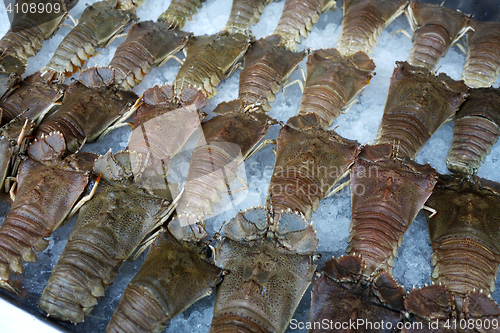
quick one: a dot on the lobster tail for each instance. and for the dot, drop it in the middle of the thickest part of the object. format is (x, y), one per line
(206, 179)
(13, 44)
(267, 277)
(34, 214)
(436, 29)
(228, 139)
(151, 299)
(418, 103)
(176, 14)
(463, 264)
(473, 138)
(332, 81)
(98, 25)
(158, 114)
(105, 235)
(482, 64)
(208, 60)
(78, 281)
(87, 111)
(477, 127)
(148, 44)
(386, 194)
(138, 311)
(309, 161)
(244, 14)
(267, 67)
(364, 21)
(464, 234)
(298, 18)
(30, 28)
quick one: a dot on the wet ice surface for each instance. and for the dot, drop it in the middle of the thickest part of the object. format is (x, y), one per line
(332, 218)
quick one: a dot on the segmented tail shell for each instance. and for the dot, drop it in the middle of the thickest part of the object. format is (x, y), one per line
(417, 104)
(148, 44)
(477, 128)
(309, 161)
(140, 310)
(15, 45)
(482, 64)
(364, 21)
(89, 107)
(211, 168)
(341, 293)
(244, 14)
(29, 29)
(98, 26)
(435, 29)
(162, 128)
(228, 139)
(163, 125)
(298, 18)
(267, 67)
(208, 60)
(233, 323)
(332, 81)
(465, 234)
(109, 228)
(462, 264)
(152, 299)
(176, 14)
(386, 195)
